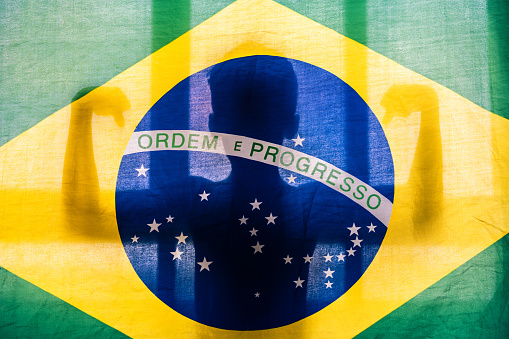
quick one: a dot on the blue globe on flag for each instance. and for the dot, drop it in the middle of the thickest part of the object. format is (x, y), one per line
(255, 193)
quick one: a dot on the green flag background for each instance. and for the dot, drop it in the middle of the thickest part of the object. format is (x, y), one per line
(51, 50)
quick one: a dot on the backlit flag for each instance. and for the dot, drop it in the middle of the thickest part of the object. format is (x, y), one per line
(256, 169)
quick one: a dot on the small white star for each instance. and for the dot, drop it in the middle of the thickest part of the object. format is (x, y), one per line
(371, 228)
(307, 258)
(169, 219)
(243, 220)
(256, 204)
(154, 226)
(328, 257)
(298, 141)
(298, 282)
(257, 247)
(351, 251)
(177, 254)
(328, 273)
(135, 238)
(257, 295)
(328, 284)
(142, 170)
(181, 238)
(253, 232)
(204, 264)
(353, 229)
(204, 196)
(341, 257)
(291, 179)
(287, 260)
(356, 242)
(270, 219)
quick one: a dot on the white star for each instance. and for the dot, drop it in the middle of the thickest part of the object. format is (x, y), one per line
(371, 228)
(298, 141)
(351, 251)
(257, 295)
(298, 282)
(270, 219)
(307, 258)
(257, 247)
(181, 238)
(327, 257)
(256, 204)
(253, 232)
(154, 226)
(142, 170)
(341, 257)
(205, 264)
(328, 273)
(328, 284)
(135, 238)
(356, 242)
(204, 196)
(243, 220)
(291, 179)
(169, 219)
(353, 229)
(177, 254)
(287, 260)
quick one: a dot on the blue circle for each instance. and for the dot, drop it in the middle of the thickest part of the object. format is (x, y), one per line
(241, 245)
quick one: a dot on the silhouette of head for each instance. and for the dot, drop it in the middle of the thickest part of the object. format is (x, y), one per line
(254, 96)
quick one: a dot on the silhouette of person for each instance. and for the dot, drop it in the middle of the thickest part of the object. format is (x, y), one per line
(255, 97)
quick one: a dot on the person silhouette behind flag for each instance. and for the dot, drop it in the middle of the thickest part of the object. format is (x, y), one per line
(254, 97)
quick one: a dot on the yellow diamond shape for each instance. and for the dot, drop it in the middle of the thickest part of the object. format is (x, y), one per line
(449, 156)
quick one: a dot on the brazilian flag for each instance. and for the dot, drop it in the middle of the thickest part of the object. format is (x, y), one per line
(254, 168)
